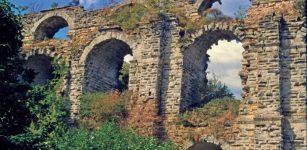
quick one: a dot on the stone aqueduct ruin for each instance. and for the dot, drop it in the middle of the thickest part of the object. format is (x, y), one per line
(273, 109)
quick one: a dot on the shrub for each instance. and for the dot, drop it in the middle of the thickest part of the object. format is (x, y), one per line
(110, 137)
(97, 108)
(216, 116)
(49, 112)
(215, 89)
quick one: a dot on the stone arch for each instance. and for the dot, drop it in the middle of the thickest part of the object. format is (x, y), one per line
(48, 51)
(130, 40)
(102, 59)
(42, 66)
(195, 58)
(50, 23)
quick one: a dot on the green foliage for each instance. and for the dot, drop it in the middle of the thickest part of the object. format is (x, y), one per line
(215, 89)
(213, 15)
(218, 106)
(88, 100)
(240, 14)
(123, 77)
(101, 107)
(48, 112)
(14, 115)
(108, 137)
(215, 108)
(153, 3)
(130, 16)
(300, 5)
(221, 105)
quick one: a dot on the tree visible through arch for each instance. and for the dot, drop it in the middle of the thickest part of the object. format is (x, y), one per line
(196, 61)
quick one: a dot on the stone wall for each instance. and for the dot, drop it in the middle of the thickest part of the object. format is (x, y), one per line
(165, 67)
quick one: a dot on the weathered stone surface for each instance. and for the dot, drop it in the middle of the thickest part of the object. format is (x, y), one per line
(165, 73)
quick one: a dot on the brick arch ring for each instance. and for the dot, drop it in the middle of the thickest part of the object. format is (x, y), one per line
(40, 51)
(234, 27)
(63, 15)
(129, 40)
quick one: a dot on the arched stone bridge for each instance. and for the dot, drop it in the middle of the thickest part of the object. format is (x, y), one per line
(273, 109)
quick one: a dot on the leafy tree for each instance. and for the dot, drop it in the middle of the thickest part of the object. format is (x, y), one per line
(240, 14)
(214, 14)
(14, 115)
(215, 89)
(48, 112)
(124, 77)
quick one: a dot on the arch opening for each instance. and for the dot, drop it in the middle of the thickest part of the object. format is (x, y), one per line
(214, 54)
(42, 67)
(105, 69)
(225, 65)
(53, 27)
(205, 146)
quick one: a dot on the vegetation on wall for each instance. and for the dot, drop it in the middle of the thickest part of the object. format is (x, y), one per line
(240, 14)
(98, 108)
(129, 17)
(300, 5)
(216, 117)
(36, 117)
(102, 126)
